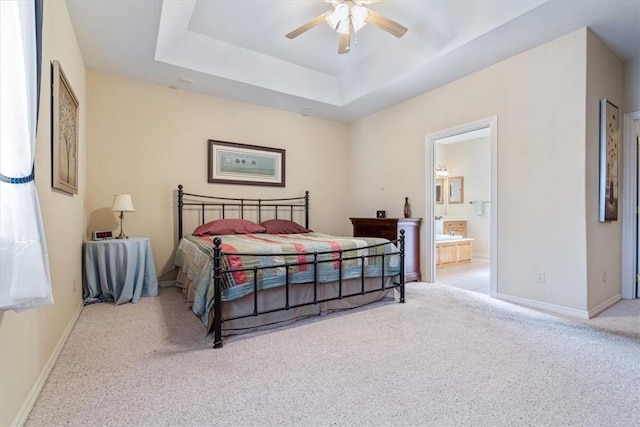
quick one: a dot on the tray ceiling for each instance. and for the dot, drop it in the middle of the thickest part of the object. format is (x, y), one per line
(237, 49)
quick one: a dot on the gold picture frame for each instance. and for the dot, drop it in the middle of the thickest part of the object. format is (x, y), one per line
(64, 135)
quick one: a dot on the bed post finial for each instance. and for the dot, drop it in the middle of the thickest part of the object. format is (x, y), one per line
(217, 296)
(306, 209)
(180, 205)
(401, 240)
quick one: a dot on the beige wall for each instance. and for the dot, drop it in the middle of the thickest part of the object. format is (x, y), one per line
(29, 339)
(539, 99)
(145, 139)
(604, 252)
(631, 94)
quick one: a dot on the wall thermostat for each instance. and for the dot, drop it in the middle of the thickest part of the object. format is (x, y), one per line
(102, 235)
(381, 214)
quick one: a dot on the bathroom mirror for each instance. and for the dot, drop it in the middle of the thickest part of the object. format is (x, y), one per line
(438, 192)
(456, 189)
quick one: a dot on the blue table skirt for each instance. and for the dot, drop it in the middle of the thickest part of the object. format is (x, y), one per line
(119, 270)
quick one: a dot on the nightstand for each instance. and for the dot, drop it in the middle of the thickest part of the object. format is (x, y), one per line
(389, 228)
(119, 270)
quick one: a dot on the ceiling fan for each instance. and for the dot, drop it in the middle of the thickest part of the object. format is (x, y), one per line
(347, 17)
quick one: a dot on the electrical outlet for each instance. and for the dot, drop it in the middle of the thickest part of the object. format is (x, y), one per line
(75, 287)
(604, 276)
(541, 278)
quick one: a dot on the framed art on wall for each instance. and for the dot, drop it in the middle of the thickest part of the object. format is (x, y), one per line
(439, 190)
(455, 193)
(64, 141)
(609, 161)
(233, 163)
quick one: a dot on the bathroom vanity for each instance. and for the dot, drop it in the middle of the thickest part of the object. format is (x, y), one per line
(452, 244)
(454, 226)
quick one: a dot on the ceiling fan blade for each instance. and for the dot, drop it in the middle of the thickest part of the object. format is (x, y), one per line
(306, 27)
(344, 43)
(386, 24)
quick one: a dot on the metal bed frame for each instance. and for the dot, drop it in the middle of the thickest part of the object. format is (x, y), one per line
(261, 207)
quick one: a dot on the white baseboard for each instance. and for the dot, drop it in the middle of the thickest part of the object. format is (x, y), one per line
(27, 406)
(602, 307)
(544, 306)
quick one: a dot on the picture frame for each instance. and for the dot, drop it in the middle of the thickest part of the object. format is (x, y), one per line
(609, 161)
(439, 191)
(64, 135)
(456, 190)
(234, 163)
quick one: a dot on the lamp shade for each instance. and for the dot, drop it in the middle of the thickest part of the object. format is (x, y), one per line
(122, 203)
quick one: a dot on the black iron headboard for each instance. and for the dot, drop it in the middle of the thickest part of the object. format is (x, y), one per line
(261, 208)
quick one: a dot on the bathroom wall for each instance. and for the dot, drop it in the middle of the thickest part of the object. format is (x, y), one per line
(471, 160)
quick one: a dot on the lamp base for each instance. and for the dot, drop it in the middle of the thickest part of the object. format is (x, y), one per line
(122, 235)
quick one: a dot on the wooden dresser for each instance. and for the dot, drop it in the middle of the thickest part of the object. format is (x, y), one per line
(389, 228)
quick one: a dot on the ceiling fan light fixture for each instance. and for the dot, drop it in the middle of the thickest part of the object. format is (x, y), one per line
(343, 27)
(332, 20)
(347, 18)
(339, 19)
(358, 17)
(340, 13)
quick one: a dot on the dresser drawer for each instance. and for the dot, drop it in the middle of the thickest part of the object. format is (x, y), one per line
(372, 231)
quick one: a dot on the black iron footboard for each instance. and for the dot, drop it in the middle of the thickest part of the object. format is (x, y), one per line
(344, 255)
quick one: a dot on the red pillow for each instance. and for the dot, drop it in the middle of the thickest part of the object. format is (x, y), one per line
(283, 226)
(228, 226)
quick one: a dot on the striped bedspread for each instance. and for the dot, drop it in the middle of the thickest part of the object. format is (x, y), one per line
(194, 256)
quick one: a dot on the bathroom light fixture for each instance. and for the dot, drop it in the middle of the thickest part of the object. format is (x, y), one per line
(442, 171)
(122, 203)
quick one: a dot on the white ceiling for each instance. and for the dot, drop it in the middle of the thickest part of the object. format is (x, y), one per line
(236, 49)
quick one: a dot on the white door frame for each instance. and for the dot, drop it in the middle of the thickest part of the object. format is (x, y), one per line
(629, 205)
(430, 207)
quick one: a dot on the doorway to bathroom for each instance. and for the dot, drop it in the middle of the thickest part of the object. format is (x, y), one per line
(461, 203)
(630, 203)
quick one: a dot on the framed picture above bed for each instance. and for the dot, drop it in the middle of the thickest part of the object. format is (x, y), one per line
(609, 158)
(234, 163)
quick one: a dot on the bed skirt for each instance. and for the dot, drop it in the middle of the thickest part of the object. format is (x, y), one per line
(271, 299)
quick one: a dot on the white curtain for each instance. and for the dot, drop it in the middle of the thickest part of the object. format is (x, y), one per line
(24, 264)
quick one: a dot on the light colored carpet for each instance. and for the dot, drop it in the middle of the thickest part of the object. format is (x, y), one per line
(446, 358)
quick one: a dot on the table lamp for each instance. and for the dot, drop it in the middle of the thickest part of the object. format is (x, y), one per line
(122, 203)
